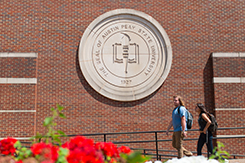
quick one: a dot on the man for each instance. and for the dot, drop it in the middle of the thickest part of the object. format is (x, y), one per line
(179, 123)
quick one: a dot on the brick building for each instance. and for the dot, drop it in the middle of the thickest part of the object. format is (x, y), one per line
(39, 68)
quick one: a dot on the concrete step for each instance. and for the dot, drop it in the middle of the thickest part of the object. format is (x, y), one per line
(237, 161)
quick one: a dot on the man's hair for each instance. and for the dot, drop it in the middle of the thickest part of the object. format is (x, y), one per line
(180, 100)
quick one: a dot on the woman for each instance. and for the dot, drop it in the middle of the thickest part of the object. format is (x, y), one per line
(204, 122)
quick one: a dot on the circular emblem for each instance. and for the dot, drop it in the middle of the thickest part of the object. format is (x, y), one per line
(125, 55)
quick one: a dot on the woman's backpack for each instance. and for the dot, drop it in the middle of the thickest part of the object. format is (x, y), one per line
(214, 125)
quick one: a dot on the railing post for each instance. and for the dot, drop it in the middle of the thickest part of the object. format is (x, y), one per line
(104, 137)
(156, 144)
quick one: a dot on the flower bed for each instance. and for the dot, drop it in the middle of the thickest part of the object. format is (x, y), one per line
(78, 150)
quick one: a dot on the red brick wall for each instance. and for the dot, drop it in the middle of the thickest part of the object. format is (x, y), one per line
(17, 124)
(53, 29)
(229, 66)
(18, 67)
(229, 95)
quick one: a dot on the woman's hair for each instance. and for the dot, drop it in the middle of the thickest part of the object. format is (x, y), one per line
(180, 100)
(202, 108)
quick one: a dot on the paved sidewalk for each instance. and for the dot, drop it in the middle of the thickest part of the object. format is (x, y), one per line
(237, 161)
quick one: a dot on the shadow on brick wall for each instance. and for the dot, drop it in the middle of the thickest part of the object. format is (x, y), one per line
(208, 85)
(209, 88)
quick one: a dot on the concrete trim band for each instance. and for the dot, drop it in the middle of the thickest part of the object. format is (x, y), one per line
(18, 80)
(229, 80)
(231, 109)
(35, 55)
(228, 54)
(17, 111)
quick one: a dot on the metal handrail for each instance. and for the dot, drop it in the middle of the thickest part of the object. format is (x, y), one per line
(142, 132)
(163, 140)
(156, 140)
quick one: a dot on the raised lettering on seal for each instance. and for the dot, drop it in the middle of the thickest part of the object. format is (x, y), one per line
(109, 31)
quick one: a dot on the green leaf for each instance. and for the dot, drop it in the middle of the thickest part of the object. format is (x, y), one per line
(108, 158)
(61, 132)
(17, 144)
(220, 145)
(63, 152)
(123, 155)
(60, 108)
(23, 153)
(226, 153)
(136, 157)
(47, 121)
(61, 115)
(28, 153)
(56, 138)
(55, 113)
(37, 157)
(211, 157)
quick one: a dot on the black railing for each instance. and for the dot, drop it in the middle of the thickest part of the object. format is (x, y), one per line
(156, 141)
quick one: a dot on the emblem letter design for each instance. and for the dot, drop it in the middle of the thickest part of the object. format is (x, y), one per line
(127, 56)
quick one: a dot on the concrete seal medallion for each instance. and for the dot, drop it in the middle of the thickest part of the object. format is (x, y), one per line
(125, 55)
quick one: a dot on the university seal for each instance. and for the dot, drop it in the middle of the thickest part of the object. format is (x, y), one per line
(125, 55)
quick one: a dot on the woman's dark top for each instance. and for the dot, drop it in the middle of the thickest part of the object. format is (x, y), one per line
(202, 123)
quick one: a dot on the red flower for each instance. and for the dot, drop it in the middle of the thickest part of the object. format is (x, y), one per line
(7, 146)
(82, 150)
(20, 161)
(113, 160)
(85, 156)
(47, 151)
(125, 149)
(109, 149)
(54, 152)
(65, 145)
(78, 142)
(37, 148)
